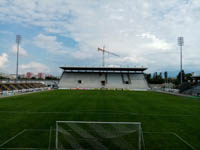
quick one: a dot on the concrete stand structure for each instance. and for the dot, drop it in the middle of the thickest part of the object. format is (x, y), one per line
(103, 78)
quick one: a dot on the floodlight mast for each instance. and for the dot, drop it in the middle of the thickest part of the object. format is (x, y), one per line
(103, 54)
(181, 43)
(18, 41)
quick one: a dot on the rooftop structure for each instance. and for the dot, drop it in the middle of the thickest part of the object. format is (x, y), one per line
(103, 69)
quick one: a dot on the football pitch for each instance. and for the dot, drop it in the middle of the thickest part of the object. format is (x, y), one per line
(168, 122)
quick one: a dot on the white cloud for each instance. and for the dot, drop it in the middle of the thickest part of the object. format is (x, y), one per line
(155, 43)
(3, 60)
(34, 67)
(49, 43)
(22, 51)
(116, 24)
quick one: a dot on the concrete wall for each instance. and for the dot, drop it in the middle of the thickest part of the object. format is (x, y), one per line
(84, 80)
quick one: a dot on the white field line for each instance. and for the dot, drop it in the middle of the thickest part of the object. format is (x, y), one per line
(172, 133)
(23, 148)
(107, 113)
(20, 133)
(50, 132)
(158, 132)
(184, 141)
(13, 137)
(175, 134)
(41, 130)
(162, 115)
(142, 134)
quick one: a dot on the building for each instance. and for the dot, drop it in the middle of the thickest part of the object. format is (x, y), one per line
(103, 78)
(22, 76)
(29, 75)
(11, 76)
(195, 79)
(41, 76)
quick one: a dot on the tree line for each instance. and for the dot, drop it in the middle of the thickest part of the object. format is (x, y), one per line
(160, 78)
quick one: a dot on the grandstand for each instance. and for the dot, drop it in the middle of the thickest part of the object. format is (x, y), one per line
(192, 90)
(103, 78)
(12, 88)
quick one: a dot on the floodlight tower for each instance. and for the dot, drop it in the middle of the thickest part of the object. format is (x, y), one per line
(181, 43)
(103, 54)
(18, 41)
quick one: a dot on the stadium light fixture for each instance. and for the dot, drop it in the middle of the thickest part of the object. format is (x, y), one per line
(18, 41)
(181, 43)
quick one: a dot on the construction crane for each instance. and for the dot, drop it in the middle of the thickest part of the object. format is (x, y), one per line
(103, 53)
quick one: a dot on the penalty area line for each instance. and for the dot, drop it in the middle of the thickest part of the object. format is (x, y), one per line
(184, 141)
(13, 137)
(176, 135)
(18, 134)
(23, 148)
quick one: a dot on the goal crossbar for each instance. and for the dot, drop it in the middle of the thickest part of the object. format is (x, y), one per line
(86, 122)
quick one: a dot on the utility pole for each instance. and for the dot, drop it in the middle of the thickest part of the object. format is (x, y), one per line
(181, 43)
(18, 41)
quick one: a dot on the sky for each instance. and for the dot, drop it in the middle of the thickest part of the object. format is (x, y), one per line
(68, 32)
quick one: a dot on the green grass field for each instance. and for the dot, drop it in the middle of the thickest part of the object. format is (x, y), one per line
(168, 122)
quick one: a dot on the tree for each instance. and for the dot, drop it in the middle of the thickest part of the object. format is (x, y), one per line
(160, 76)
(188, 76)
(179, 77)
(148, 77)
(51, 78)
(155, 79)
(155, 75)
(166, 75)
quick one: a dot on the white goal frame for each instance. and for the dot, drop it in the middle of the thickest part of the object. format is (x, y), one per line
(140, 136)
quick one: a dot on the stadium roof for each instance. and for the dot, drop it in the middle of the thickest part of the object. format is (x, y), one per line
(102, 69)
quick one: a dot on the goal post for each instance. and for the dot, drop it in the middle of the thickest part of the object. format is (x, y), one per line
(98, 135)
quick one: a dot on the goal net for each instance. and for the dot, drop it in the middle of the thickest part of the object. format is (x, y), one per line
(82, 135)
